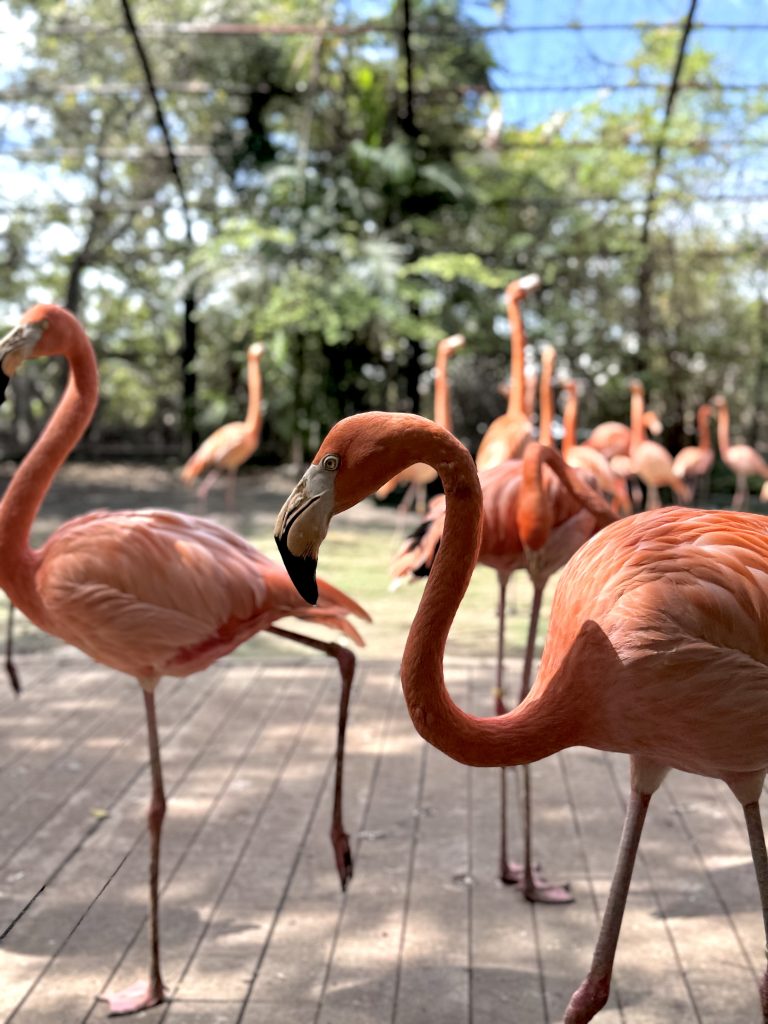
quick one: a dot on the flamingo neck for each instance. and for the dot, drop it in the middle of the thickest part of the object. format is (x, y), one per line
(525, 734)
(545, 403)
(253, 416)
(31, 481)
(442, 409)
(636, 422)
(570, 419)
(516, 399)
(702, 429)
(723, 429)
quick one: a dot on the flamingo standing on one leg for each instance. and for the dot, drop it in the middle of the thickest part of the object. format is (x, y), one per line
(507, 435)
(147, 592)
(742, 459)
(232, 444)
(418, 477)
(650, 461)
(657, 645)
(694, 463)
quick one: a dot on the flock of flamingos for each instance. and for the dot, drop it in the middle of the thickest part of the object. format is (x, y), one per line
(658, 639)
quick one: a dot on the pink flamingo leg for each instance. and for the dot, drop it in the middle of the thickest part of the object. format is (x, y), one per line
(760, 860)
(535, 886)
(144, 994)
(591, 996)
(346, 661)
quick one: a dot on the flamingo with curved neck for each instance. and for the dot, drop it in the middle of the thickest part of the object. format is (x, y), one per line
(231, 445)
(507, 435)
(628, 664)
(536, 513)
(147, 592)
(419, 475)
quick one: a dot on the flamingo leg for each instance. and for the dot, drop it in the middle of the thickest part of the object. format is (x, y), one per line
(741, 493)
(10, 666)
(346, 662)
(760, 861)
(231, 490)
(591, 996)
(207, 484)
(150, 992)
(652, 497)
(509, 872)
(535, 887)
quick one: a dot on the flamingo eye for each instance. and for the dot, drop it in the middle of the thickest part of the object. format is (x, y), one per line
(331, 463)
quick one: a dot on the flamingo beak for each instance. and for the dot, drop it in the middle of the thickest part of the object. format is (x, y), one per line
(301, 528)
(15, 348)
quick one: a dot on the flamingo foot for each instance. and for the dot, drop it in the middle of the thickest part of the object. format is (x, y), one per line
(139, 996)
(588, 999)
(343, 855)
(535, 887)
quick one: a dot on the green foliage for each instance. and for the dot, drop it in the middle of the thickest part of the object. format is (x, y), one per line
(350, 233)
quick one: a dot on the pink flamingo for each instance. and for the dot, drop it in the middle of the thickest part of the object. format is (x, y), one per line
(590, 460)
(508, 434)
(232, 444)
(612, 438)
(147, 592)
(742, 459)
(650, 461)
(694, 462)
(418, 477)
(657, 645)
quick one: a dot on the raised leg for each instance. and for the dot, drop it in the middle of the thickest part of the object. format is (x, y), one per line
(760, 860)
(346, 661)
(150, 992)
(591, 996)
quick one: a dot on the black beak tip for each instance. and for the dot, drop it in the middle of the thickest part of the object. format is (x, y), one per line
(301, 570)
(4, 379)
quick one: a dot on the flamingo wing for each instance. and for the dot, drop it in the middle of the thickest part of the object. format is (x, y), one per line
(152, 592)
(663, 618)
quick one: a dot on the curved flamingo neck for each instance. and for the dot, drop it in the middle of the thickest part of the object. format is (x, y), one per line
(545, 399)
(442, 408)
(570, 420)
(636, 422)
(702, 428)
(253, 416)
(516, 399)
(723, 429)
(31, 481)
(525, 734)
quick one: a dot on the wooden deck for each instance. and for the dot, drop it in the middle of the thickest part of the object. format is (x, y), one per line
(254, 927)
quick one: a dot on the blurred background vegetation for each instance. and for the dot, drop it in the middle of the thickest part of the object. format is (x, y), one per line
(346, 184)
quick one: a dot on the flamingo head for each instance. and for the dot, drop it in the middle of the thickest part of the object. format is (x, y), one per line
(452, 343)
(40, 332)
(359, 454)
(719, 401)
(521, 287)
(256, 350)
